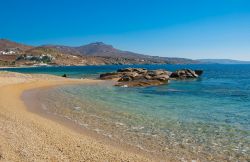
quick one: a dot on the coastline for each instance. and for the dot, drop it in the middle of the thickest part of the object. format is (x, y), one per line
(27, 136)
(34, 105)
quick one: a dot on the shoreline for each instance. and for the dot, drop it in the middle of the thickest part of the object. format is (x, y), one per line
(31, 101)
(27, 136)
(13, 67)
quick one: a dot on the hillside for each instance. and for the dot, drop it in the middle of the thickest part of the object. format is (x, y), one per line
(7, 45)
(97, 49)
(102, 50)
(97, 53)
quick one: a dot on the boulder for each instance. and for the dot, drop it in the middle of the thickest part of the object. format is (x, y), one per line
(64, 75)
(141, 70)
(128, 76)
(131, 77)
(113, 75)
(139, 77)
(155, 72)
(138, 70)
(131, 74)
(125, 78)
(158, 72)
(125, 70)
(184, 74)
(148, 77)
(161, 77)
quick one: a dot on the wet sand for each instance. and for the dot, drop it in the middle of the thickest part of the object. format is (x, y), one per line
(28, 136)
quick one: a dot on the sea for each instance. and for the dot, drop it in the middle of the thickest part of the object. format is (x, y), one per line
(204, 119)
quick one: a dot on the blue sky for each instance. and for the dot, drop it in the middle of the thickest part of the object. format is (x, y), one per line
(174, 28)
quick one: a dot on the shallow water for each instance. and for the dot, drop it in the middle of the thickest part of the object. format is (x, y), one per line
(206, 119)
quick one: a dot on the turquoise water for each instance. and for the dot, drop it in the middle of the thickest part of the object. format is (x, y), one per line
(206, 119)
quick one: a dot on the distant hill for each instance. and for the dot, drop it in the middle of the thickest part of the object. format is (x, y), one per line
(222, 61)
(7, 44)
(97, 53)
(97, 49)
(100, 49)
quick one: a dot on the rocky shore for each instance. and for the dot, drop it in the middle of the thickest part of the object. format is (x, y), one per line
(132, 77)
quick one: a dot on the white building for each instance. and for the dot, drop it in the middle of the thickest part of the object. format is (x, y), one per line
(7, 53)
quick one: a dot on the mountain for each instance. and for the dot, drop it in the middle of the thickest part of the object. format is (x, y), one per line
(100, 49)
(97, 49)
(222, 61)
(98, 53)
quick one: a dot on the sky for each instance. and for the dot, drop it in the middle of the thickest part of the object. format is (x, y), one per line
(193, 29)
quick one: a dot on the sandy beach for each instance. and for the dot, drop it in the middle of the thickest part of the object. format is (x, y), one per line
(27, 136)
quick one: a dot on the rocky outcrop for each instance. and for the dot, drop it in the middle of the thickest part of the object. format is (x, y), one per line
(186, 74)
(131, 77)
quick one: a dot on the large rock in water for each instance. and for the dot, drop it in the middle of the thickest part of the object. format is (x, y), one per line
(131, 77)
(186, 74)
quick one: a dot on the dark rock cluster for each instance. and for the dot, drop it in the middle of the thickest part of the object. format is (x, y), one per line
(186, 74)
(131, 77)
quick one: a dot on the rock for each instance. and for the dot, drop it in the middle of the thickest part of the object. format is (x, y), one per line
(138, 70)
(131, 74)
(185, 74)
(128, 76)
(112, 75)
(125, 70)
(125, 78)
(148, 77)
(162, 77)
(141, 70)
(155, 72)
(198, 72)
(139, 77)
(132, 77)
(64, 75)
(192, 73)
